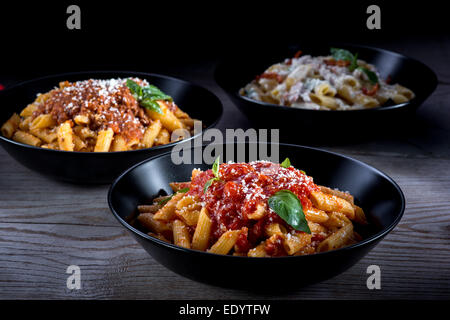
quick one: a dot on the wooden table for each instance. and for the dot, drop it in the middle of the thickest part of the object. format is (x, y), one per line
(46, 226)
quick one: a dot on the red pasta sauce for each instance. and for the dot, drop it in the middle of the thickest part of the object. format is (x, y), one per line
(241, 188)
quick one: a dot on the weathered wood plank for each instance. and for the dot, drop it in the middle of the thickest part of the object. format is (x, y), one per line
(42, 232)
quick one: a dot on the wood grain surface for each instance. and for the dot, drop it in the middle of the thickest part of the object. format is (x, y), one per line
(46, 225)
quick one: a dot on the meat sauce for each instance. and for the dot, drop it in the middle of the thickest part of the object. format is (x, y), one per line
(107, 103)
(241, 189)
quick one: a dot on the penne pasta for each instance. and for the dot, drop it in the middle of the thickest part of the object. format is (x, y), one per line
(295, 242)
(200, 241)
(337, 239)
(235, 217)
(104, 140)
(103, 115)
(42, 121)
(45, 135)
(163, 137)
(10, 126)
(151, 133)
(225, 242)
(331, 203)
(188, 210)
(148, 221)
(181, 235)
(316, 215)
(258, 251)
(167, 212)
(167, 118)
(28, 110)
(65, 138)
(260, 212)
(26, 138)
(119, 143)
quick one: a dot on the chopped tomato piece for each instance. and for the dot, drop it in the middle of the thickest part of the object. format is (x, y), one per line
(389, 79)
(270, 75)
(298, 54)
(372, 91)
(339, 63)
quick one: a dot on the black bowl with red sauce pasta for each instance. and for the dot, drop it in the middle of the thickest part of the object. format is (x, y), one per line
(99, 167)
(234, 72)
(380, 197)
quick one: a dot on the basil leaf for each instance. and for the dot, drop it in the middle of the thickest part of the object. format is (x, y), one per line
(215, 167)
(147, 96)
(154, 93)
(135, 89)
(164, 201)
(370, 74)
(286, 163)
(354, 63)
(151, 105)
(341, 54)
(209, 183)
(287, 205)
(215, 170)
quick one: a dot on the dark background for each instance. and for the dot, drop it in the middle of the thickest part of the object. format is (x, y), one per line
(146, 35)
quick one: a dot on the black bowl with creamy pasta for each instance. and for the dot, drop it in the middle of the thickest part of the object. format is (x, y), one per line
(265, 86)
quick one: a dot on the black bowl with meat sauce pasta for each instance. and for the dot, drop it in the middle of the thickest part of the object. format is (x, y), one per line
(99, 167)
(379, 196)
(303, 125)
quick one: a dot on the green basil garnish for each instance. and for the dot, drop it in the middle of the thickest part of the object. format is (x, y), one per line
(148, 96)
(370, 74)
(209, 183)
(354, 63)
(341, 54)
(164, 201)
(286, 163)
(151, 105)
(287, 205)
(135, 89)
(215, 170)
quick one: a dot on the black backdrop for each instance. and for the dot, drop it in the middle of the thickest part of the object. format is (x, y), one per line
(137, 35)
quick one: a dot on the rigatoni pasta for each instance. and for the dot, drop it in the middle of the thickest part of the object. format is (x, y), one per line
(99, 116)
(257, 209)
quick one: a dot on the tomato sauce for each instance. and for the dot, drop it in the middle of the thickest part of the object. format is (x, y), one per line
(107, 104)
(241, 188)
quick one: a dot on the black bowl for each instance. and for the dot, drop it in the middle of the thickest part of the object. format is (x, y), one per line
(99, 167)
(374, 191)
(234, 72)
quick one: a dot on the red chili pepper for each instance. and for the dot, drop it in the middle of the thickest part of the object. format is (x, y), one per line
(298, 54)
(270, 75)
(339, 63)
(274, 246)
(389, 79)
(372, 91)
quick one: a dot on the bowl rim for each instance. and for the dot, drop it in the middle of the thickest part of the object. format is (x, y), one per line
(372, 239)
(433, 82)
(47, 77)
